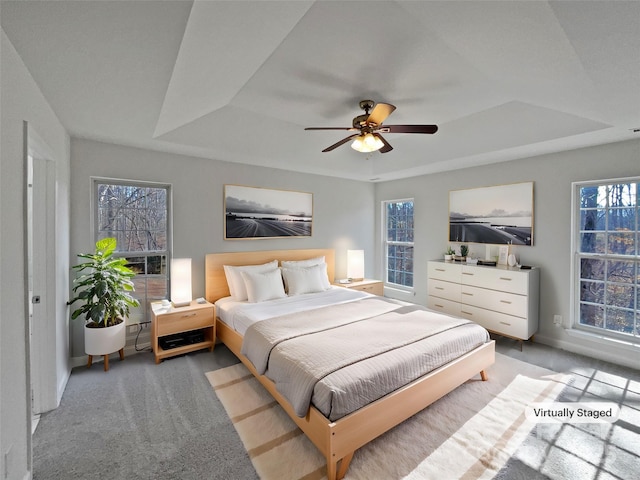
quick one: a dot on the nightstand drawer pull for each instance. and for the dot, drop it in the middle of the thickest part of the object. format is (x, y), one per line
(468, 273)
(187, 315)
(439, 306)
(505, 323)
(439, 288)
(506, 301)
(467, 293)
(440, 270)
(466, 313)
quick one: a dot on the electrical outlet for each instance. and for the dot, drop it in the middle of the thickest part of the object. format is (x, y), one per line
(133, 329)
(557, 320)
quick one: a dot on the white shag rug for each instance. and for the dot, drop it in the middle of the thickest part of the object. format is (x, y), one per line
(468, 434)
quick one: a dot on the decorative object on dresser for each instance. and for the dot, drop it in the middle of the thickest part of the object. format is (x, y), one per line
(448, 255)
(104, 287)
(175, 331)
(504, 300)
(365, 285)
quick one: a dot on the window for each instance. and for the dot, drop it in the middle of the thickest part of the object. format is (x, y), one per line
(136, 214)
(607, 266)
(398, 242)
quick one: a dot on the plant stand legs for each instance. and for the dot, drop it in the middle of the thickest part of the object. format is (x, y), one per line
(106, 359)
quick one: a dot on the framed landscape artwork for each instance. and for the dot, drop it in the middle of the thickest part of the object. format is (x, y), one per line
(497, 215)
(256, 213)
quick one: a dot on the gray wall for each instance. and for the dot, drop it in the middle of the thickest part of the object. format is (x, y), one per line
(552, 176)
(342, 217)
(23, 101)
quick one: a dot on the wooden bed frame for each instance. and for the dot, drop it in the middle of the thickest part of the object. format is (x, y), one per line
(340, 439)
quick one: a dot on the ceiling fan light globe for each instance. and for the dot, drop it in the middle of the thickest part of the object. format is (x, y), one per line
(367, 143)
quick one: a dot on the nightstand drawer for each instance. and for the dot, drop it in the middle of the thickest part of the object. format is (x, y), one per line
(176, 322)
(374, 288)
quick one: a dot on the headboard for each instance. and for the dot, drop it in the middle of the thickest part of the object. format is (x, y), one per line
(216, 281)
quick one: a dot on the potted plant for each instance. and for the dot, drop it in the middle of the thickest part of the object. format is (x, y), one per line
(464, 250)
(104, 288)
(448, 255)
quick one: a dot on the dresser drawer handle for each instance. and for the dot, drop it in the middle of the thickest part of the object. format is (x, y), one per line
(505, 301)
(440, 270)
(505, 323)
(467, 293)
(505, 278)
(438, 305)
(439, 288)
(468, 273)
(466, 313)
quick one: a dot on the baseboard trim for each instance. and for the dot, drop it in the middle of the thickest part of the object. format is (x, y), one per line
(623, 358)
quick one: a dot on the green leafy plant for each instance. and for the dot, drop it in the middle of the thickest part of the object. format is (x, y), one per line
(450, 251)
(464, 250)
(103, 287)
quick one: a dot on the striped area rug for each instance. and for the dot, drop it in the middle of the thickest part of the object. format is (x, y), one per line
(468, 434)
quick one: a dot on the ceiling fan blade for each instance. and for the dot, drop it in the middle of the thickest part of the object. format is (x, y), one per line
(380, 113)
(386, 148)
(341, 142)
(409, 129)
(332, 128)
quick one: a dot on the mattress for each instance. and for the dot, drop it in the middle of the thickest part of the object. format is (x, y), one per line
(358, 381)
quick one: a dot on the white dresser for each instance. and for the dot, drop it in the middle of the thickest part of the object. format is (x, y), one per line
(502, 299)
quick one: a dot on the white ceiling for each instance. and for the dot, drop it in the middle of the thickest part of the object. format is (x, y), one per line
(238, 81)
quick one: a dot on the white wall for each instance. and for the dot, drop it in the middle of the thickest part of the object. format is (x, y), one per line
(343, 210)
(553, 175)
(22, 101)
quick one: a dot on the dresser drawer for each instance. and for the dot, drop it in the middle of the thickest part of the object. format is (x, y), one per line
(508, 325)
(449, 272)
(443, 305)
(509, 303)
(448, 290)
(176, 322)
(513, 281)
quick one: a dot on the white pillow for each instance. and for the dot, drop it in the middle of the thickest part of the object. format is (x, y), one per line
(310, 262)
(263, 286)
(235, 281)
(306, 279)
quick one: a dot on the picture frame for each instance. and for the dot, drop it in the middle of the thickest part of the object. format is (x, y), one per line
(260, 213)
(501, 214)
(503, 254)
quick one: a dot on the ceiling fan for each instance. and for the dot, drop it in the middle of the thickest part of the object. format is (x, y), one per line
(369, 127)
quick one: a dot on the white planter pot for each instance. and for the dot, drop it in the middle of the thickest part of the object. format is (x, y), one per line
(103, 341)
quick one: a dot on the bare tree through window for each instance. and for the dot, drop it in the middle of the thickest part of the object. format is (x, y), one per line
(136, 215)
(609, 271)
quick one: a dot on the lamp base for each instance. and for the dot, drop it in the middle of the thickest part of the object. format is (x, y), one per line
(181, 304)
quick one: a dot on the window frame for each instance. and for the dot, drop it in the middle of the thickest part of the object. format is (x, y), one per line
(577, 256)
(386, 243)
(140, 314)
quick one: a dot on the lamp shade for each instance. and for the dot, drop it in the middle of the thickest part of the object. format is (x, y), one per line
(355, 264)
(181, 281)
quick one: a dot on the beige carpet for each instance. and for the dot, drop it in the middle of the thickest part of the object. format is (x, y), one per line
(468, 434)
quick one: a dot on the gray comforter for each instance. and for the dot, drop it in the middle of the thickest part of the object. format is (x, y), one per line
(301, 351)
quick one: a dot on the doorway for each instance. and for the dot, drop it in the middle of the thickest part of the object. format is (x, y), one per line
(41, 331)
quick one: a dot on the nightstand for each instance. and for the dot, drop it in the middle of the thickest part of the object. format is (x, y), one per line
(182, 329)
(375, 287)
